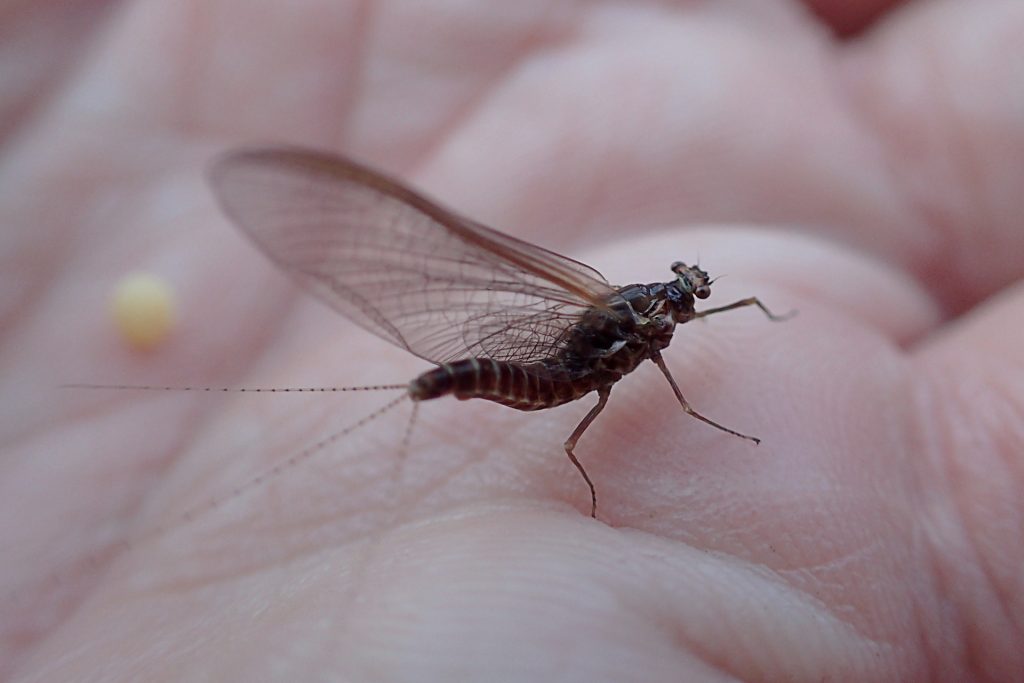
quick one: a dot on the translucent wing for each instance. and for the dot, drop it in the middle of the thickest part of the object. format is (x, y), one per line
(399, 265)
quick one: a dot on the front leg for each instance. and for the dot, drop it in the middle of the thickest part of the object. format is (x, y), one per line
(752, 301)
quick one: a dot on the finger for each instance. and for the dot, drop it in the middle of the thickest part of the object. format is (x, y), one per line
(253, 70)
(939, 86)
(970, 448)
(381, 79)
(813, 272)
(987, 339)
(39, 43)
(925, 178)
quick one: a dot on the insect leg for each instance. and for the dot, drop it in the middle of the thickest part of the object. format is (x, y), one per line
(686, 406)
(752, 301)
(570, 443)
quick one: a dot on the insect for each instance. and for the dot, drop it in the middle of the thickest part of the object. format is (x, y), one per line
(502, 319)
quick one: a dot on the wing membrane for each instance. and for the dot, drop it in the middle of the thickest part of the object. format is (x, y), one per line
(434, 283)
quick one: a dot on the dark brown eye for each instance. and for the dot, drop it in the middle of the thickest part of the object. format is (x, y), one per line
(702, 292)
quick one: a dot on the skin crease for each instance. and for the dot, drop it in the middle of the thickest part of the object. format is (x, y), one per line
(871, 182)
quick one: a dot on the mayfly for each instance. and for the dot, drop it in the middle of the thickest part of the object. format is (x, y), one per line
(501, 319)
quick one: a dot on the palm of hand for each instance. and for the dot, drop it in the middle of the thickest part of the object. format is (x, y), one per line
(873, 535)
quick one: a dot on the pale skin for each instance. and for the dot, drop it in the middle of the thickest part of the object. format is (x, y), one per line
(873, 183)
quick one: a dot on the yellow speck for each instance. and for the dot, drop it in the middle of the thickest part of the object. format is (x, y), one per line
(143, 309)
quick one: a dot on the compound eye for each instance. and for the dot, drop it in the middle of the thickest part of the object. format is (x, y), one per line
(702, 292)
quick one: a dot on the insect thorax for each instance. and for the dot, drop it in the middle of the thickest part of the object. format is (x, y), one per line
(637, 323)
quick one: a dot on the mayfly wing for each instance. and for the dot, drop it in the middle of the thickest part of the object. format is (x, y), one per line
(398, 264)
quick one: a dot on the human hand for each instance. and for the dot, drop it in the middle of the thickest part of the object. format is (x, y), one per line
(872, 184)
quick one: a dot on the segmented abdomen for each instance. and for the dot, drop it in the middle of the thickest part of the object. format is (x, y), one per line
(529, 386)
